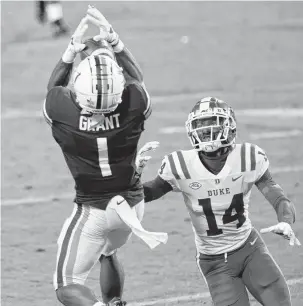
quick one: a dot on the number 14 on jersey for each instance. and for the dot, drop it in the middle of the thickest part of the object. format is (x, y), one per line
(237, 203)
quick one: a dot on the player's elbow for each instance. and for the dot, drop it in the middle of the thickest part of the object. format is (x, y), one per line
(139, 76)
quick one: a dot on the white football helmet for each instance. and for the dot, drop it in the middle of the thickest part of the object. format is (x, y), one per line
(211, 125)
(98, 84)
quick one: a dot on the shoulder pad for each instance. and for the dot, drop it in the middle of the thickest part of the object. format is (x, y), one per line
(139, 98)
(175, 165)
(58, 101)
(260, 154)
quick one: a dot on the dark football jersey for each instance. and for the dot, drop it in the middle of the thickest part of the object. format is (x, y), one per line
(101, 159)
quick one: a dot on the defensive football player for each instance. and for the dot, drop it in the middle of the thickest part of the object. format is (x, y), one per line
(51, 11)
(215, 179)
(97, 125)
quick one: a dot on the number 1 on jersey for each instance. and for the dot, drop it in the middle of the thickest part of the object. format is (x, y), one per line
(103, 156)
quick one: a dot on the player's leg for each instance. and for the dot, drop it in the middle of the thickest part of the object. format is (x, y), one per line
(55, 17)
(40, 11)
(80, 243)
(263, 277)
(111, 277)
(111, 270)
(225, 288)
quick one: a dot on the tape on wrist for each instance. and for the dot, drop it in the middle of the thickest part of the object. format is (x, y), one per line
(68, 56)
(118, 47)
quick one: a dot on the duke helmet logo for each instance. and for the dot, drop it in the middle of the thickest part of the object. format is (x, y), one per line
(195, 185)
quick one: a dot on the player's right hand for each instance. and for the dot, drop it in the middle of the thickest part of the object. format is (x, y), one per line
(142, 159)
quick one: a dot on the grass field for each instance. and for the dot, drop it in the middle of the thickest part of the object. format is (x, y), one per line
(249, 54)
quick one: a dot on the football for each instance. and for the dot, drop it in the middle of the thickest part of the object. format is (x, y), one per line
(92, 45)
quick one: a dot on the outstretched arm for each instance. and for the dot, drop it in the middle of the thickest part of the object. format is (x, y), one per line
(276, 197)
(284, 208)
(62, 72)
(156, 189)
(124, 57)
(60, 75)
(129, 64)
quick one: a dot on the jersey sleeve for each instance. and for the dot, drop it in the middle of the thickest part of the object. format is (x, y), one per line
(140, 99)
(166, 173)
(54, 103)
(262, 163)
(49, 104)
(60, 75)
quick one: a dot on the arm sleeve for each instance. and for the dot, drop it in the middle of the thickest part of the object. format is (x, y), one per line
(55, 104)
(140, 99)
(276, 197)
(129, 64)
(49, 104)
(155, 189)
(60, 75)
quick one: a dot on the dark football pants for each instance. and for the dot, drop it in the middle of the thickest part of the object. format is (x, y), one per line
(252, 267)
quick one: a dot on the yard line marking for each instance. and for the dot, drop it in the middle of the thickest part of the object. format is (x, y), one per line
(275, 135)
(188, 298)
(266, 112)
(36, 200)
(70, 196)
(286, 169)
(172, 130)
(252, 136)
(271, 112)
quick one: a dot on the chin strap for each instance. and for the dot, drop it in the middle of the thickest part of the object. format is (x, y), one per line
(220, 154)
(214, 163)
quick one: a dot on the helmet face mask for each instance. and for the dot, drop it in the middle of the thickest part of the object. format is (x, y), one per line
(98, 84)
(211, 125)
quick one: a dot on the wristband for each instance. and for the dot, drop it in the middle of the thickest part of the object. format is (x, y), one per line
(118, 47)
(69, 55)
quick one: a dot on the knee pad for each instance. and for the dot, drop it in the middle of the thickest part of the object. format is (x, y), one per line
(65, 293)
(74, 294)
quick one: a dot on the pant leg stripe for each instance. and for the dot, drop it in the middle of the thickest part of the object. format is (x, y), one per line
(65, 244)
(199, 267)
(74, 247)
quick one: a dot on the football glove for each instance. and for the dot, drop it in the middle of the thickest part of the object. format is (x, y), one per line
(106, 30)
(283, 229)
(75, 46)
(142, 159)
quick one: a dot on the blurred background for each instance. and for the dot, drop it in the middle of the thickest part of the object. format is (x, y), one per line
(246, 53)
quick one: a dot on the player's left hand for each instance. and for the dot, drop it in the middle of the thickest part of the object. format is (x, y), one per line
(142, 159)
(75, 46)
(284, 229)
(106, 30)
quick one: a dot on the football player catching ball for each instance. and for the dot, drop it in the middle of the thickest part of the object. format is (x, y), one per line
(97, 125)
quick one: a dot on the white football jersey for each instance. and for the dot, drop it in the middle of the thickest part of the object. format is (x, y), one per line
(217, 204)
